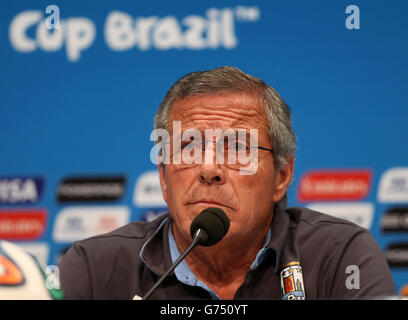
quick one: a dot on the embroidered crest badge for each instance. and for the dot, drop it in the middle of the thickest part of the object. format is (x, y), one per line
(292, 285)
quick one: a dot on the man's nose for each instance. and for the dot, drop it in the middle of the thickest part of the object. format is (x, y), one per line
(210, 171)
(211, 174)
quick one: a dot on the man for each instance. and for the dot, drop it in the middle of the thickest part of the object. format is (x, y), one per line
(269, 252)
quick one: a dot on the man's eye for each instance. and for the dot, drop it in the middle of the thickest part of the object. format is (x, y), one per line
(188, 145)
(237, 146)
(241, 146)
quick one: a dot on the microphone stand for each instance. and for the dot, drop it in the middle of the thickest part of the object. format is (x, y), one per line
(199, 236)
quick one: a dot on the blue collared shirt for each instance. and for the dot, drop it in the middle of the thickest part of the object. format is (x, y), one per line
(185, 275)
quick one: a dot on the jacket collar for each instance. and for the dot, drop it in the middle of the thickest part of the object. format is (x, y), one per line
(283, 238)
(155, 252)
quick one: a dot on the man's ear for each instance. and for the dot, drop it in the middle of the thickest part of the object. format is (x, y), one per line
(161, 168)
(283, 179)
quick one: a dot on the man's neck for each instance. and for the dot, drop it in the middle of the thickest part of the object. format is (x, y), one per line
(223, 267)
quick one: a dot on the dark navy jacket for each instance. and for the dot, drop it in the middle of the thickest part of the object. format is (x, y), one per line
(128, 261)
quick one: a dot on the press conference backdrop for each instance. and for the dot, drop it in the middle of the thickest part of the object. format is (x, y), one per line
(80, 82)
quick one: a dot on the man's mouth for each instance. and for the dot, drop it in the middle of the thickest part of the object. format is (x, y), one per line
(209, 203)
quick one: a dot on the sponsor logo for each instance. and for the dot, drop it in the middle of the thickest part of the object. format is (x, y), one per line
(393, 186)
(212, 30)
(358, 213)
(76, 223)
(395, 219)
(334, 185)
(20, 190)
(292, 285)
(22, 224)
(147, 191)
(397, 254)
(92, 189)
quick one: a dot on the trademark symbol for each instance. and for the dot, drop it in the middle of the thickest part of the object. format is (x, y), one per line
(247, 14)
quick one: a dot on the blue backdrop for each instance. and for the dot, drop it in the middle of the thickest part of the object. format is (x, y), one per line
(77, 101)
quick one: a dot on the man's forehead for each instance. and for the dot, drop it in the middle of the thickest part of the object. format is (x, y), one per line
(224, 109)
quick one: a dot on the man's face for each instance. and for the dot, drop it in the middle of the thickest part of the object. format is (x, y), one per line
(246, 199)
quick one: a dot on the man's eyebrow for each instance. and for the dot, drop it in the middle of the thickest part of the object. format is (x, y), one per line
(236, 130)
(236, 134)
(191, 129)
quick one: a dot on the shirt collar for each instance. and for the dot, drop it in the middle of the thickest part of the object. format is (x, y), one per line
(280, 240)
(156, 252)
(185, 275)
(183, 272)
(263, 253)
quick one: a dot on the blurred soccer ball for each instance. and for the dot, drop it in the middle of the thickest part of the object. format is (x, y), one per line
(21, 276)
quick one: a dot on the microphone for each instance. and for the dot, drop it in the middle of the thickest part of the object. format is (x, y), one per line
(208, 228)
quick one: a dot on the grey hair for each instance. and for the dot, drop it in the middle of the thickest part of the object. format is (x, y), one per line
(230, 79)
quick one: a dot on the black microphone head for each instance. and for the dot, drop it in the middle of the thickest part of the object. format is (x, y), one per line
(214, 222)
